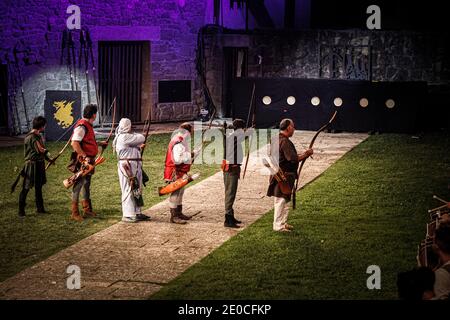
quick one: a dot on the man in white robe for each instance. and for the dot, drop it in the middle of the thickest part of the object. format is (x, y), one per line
(128, 146)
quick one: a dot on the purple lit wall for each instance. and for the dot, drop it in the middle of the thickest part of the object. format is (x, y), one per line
(234, 17)
(170, 26)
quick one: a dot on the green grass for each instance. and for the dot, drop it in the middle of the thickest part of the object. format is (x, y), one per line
(23, 242)
(370, 208)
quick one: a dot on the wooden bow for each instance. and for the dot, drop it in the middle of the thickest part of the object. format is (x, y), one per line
(106, 142)
(251, 110)
(146, 128)
(294, 190)
(203, 133)
(59, 154)
(65, 146)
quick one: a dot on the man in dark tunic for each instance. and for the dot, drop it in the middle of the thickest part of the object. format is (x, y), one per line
(287, 161)
(34, 169)
(231, 168)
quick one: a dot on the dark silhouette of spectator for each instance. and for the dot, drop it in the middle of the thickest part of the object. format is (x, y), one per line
(442, 248)
(416, 284)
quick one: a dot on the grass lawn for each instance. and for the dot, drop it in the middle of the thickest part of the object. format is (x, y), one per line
(23, 242)
(370, 208)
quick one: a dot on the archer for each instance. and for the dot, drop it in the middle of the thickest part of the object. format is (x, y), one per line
(288, 162)
(178, 162)
(33, 171)
(83, 157)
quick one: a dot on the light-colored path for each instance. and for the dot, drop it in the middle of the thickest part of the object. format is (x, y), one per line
(133, 261)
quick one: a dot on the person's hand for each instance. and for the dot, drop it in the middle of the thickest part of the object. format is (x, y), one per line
(103, 144)
(50, 160)
(81, 157)
(309, 152)
(142, 146)
(194, 153)
(88, 161)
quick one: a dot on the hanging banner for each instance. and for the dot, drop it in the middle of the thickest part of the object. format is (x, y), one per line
(61, 109)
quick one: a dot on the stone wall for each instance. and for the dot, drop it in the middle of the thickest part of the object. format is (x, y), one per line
(35, 27)
(395, 55)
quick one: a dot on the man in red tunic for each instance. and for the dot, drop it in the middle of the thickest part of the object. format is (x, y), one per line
(85, 149)
(177, 164)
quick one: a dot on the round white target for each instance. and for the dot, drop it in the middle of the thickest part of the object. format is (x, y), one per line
(364, 102)
(390, 103)
(267, 100)
(337, 102)
(315, 101)
(290, 100)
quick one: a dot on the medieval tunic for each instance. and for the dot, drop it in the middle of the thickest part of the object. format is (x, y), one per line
(127, 147)
(177, 164)
(231, 173)
(34, 169)
(288, 163)
(85, 135)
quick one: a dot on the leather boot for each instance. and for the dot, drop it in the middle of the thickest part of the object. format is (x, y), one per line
(75, 213)
(236, 221)
(21, 209)
(174, 217)
(40, 208)
(180, 213)
(229, 222)
(22, 202)
(230, 213)
(42, 211)
(40, 201)
(87, 208)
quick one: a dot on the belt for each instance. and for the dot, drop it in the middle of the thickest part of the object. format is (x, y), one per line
(32, 161)
(130, 159)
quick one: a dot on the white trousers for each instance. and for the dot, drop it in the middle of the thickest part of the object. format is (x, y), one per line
(280, 213)
(176, 198)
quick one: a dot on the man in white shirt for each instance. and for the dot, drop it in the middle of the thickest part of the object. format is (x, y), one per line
(177, 164)
(85, 149)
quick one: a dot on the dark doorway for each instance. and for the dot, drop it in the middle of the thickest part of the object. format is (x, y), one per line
(174, 91)
(120, 76)
(3, 99)
(235, 66)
